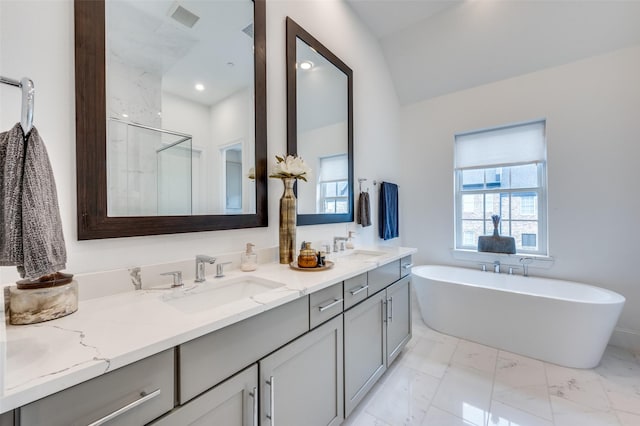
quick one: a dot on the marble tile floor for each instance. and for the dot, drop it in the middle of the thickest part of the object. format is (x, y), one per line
(440, 380)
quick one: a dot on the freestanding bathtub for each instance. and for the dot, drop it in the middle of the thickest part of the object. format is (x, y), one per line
(562, 322)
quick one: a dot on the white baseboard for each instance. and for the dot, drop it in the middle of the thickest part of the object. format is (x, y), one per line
(627, 339)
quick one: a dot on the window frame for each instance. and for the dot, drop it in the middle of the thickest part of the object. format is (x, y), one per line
(322, 194)
(541, 190)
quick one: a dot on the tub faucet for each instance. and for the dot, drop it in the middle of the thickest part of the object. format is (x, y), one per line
(201, 259)
(496, 266)
(526, 261)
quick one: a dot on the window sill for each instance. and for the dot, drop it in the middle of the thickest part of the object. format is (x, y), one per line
(542, 262)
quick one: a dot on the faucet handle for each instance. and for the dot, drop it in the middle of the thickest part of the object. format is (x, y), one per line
(177, 278)
(220, 269)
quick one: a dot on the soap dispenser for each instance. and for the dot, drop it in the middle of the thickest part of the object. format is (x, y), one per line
(249, 259)
(349, 243)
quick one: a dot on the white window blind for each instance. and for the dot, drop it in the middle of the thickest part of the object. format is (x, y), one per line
(523, 143)
(333, 168)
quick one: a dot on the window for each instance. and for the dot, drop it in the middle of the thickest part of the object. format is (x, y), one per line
(502, 171)
(333, 184)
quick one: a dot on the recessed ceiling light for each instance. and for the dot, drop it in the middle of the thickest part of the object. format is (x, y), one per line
(199, 87)
(125, 115)
(306, 65)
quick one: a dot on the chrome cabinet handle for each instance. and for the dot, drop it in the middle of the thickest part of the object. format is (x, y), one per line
(254, 395)
(330, 305)
(384, 310)
(390, 309)
(359, 290)
(144, 398)
(272, 405)
(407, 265)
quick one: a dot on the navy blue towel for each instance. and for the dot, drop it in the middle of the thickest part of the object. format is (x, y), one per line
(388, 211)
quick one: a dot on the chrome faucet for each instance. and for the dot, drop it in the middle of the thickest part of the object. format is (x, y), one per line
(177, 278)
(201, 259)
(335, 243)
(136, 277)
(526, 261)
(496, 266)
(220, 269)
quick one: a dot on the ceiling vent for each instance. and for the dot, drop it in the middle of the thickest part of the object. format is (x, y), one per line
(248, 30)
(184, 16)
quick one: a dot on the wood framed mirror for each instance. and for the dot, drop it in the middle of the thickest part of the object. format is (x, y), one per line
(320, 127)
(227, 189)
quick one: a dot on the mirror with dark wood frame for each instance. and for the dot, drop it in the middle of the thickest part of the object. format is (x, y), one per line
(320, 127)
(238, 198)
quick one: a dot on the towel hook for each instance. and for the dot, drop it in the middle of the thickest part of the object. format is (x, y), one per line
(360, 180)
(28, 97)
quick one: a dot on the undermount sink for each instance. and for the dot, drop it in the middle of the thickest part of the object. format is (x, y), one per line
(359, 255)
(213, 293)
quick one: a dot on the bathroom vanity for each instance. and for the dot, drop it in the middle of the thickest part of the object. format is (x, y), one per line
(304, 351)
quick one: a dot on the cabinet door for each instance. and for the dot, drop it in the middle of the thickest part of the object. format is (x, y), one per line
(302, 383)
(365, 348)
(398, 317)
(231, 403)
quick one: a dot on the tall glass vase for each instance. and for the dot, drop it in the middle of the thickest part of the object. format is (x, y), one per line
(287, 222)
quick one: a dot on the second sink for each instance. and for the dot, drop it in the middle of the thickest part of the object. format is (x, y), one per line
(213, 293)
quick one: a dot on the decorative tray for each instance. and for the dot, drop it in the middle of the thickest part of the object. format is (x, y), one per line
(327, 265)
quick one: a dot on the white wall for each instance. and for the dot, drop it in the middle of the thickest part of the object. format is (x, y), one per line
(312, 146)
(592, 111)
(44, 52)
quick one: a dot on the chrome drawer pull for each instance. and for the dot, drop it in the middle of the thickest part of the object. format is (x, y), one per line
(330, 305)
(144, 398)
(407, 265)
(359, 290)
(272, 404)
(390, 309)
(254, 395)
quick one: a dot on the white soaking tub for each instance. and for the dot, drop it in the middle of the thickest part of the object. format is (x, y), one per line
(562, 322)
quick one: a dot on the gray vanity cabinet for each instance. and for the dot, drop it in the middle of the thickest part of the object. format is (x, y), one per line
(208, 360)
(6, 419)
(398, 317)
(129, 396)
(365, 336)
(302, 382)
(231, 403)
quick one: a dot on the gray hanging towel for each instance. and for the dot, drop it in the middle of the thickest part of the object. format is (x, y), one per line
(388, 211)
(363, 214)
(30, 226)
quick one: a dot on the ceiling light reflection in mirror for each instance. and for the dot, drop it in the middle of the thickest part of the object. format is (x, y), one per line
(180, 89)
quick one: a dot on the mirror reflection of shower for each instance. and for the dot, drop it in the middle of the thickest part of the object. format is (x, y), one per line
(150, 170)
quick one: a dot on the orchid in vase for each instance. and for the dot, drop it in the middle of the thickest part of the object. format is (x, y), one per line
(290, 166)
(288, 169)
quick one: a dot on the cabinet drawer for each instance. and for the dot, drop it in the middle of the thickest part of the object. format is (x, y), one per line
(382, 276)
(233, 402)
(208, 360)
(406, 263)
(325, 304)
(355, 290)
(145, 387)
(6, 419)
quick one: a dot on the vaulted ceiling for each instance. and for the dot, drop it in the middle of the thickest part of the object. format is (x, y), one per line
(435, 47)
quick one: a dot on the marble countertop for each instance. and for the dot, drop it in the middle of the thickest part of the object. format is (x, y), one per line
(112, 331)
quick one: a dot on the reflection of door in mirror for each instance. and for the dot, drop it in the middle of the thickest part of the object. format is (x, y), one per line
(322, 132)
(180, 75)
(232, 178)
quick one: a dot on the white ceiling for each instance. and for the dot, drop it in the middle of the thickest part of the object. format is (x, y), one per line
(439, 47)
(215, 52)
